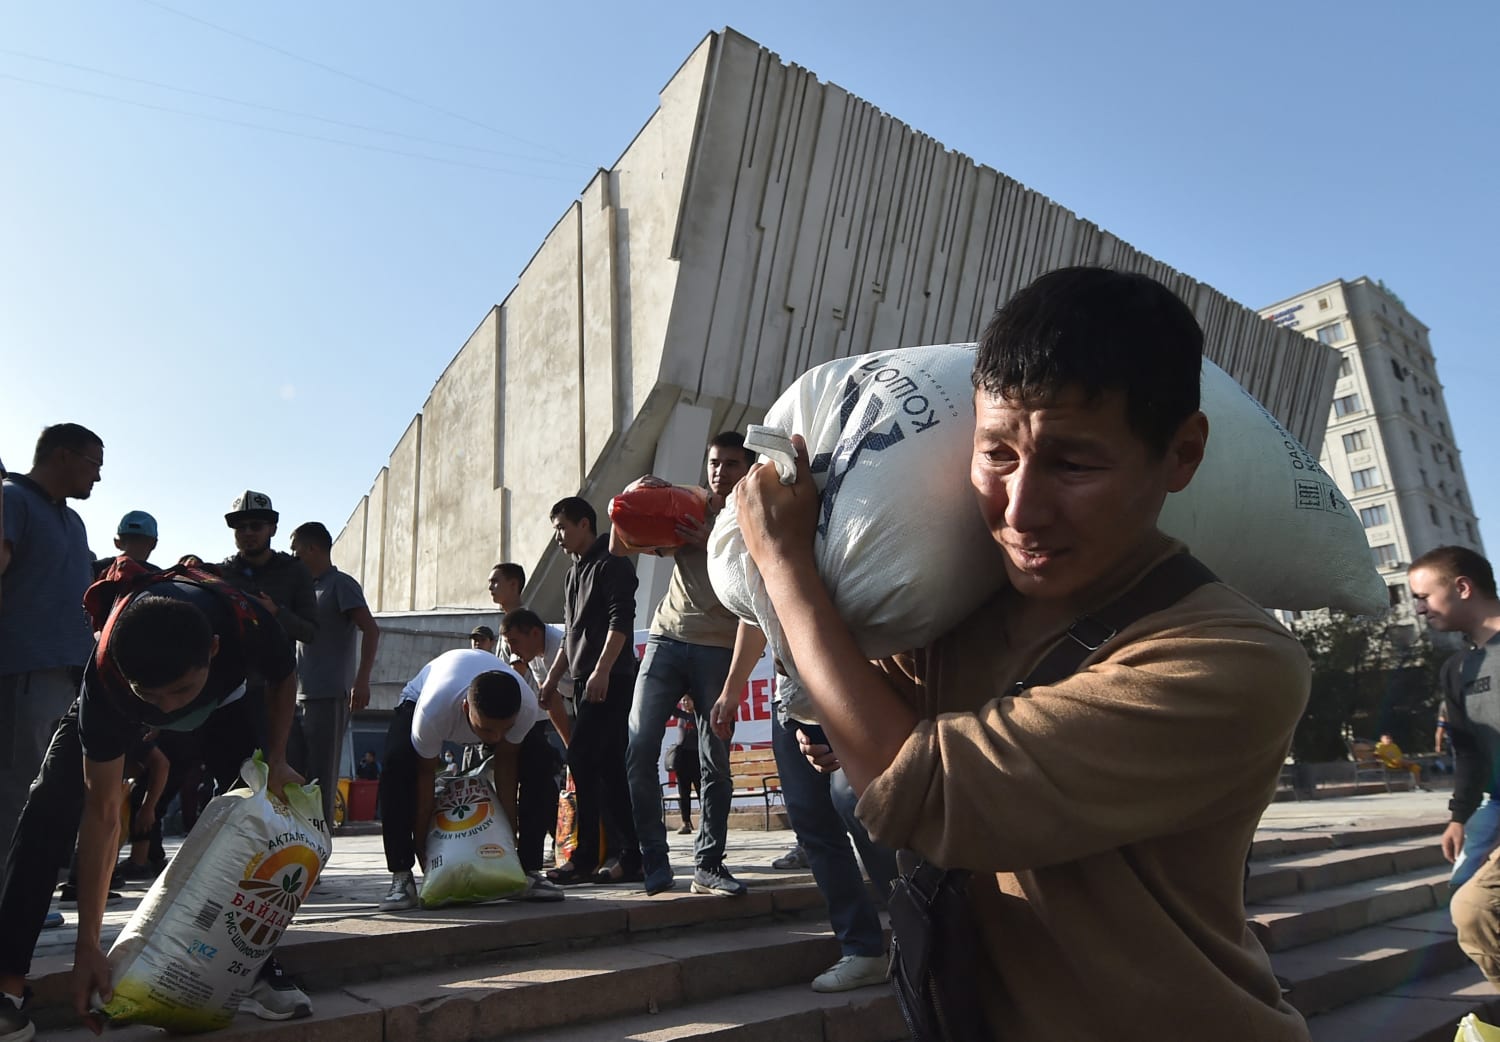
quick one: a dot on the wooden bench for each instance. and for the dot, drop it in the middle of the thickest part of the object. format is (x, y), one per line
(755, 775)
(1369, 766)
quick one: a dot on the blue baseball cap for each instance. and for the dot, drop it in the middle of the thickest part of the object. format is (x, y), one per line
(137, 522)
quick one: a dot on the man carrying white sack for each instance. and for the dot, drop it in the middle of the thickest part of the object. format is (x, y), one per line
(1105, 810)
(471, 698)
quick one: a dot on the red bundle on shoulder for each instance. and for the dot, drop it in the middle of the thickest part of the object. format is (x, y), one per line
(646, 516)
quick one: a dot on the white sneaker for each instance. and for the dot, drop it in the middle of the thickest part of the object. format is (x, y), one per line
(538, 888)
(850, 972)
(402, 895)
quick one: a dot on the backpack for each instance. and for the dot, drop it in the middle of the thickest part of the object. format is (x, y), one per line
(126, 577)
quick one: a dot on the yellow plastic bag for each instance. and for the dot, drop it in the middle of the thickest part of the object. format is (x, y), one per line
(1472, 1029)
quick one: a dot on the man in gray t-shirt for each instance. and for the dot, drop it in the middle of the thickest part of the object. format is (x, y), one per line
(329, 685)
(45, 638)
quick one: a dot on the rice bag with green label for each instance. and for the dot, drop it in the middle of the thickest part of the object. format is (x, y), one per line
(191, 950)
(471, 850)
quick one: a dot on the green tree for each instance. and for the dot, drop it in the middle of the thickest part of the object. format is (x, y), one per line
(1368, 677)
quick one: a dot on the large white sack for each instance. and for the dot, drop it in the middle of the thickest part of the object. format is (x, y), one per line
(1266, 518)
(191, 950)
(892, 432)
(471, 850)
(889, 437)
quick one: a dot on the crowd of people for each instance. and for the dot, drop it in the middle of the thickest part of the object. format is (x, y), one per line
(117, 668)
(1058, 796)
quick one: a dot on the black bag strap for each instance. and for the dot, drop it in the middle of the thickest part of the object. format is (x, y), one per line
(1159, 589)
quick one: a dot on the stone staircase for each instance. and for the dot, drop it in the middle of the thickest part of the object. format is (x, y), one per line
(1355, 919)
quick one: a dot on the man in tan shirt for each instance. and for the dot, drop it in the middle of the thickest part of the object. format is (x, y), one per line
(1107, 816)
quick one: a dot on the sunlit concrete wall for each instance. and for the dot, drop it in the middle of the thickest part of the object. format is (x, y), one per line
(760, 223)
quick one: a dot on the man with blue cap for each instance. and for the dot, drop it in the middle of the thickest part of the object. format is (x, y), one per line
(135, 537)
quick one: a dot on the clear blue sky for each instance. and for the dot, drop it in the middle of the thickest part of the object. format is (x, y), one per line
(234, 307)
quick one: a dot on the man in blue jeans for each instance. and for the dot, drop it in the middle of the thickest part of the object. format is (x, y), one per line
(820, 804)
(688, 653)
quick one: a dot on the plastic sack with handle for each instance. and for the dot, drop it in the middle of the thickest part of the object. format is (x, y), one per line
(1472, 1029)
(191, 950)
(905, 555)
(646, 516)
(471, 850)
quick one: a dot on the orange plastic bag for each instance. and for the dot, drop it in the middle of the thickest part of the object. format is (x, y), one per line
(646, 516)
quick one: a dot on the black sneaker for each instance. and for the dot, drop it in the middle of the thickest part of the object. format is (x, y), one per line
(716, 880)
(15, 1026)
(128, 872)
(275, 996)
(67, 897)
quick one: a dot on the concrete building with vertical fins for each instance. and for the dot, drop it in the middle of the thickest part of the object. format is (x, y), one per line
(1389, 443)
(760, 223)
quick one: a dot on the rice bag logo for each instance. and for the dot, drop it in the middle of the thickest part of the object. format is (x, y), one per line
(271, 893)
(889, 389)
(463, 810)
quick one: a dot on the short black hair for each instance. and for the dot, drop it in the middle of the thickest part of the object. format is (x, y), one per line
(495, 695)
(575, 509)
(314, 532)
(734, 440)
(521, 619)
(1098, 330)
(72, 436)
(1454, 561)
(157, 639)
(512, 571)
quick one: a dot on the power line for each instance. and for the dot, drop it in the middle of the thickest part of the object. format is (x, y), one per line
(351, 76)
(281, 111)
(280, 130)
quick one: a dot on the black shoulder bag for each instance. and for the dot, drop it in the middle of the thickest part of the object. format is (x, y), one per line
(937, 953)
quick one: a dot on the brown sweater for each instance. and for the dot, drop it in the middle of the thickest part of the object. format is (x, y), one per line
(1108, 816)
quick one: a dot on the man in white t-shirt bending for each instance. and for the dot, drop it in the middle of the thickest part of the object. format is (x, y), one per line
(464, 696)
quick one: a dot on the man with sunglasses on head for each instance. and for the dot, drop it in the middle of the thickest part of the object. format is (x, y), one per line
(45, 565)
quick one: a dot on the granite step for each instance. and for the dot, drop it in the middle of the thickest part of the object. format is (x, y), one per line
(1329, 974)
(1287, 922)
(1321, 870)
(1426, 1010)
(697, 978)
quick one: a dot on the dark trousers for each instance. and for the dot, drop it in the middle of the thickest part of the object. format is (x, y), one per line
(48, 829)
(596, 757)
(398, 792)
(536, 806)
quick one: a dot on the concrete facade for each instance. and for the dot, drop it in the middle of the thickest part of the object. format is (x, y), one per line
(1389, 442)
(759, 224)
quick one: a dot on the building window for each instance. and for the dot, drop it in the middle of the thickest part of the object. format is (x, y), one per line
(1458, 494)
(1452, 467)
(1442, 428)
(1416, 446)
(1347, 404)
(1385, 554)
(1369, 477)
(1355, 441)
(1397, 594)
(1437, 453)
(1424, 476)
(1331, 334)
(1454, 522)
(1378, 514)
(1322, 303)
(1405, 406)
(1470, 526)
(1346, 367)
(1398, 370)
(1425, 421)
(1432, 512)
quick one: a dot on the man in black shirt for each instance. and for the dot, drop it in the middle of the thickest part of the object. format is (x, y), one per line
(597, 652)
(174, 656)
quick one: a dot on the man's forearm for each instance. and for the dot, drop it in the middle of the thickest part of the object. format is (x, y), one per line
(749, 646)
(97, 843)
(369, 643)
(426, 776)
(558, 668)
(507, 772)
(867, 722)
(613, 645)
